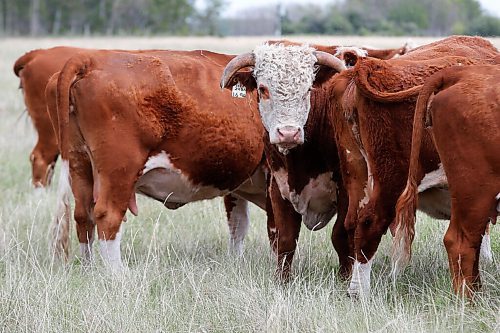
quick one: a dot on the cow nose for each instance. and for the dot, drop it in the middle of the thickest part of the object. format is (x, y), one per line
(289, 134)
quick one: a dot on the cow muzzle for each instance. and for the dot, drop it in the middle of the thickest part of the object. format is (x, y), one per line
(288, 137)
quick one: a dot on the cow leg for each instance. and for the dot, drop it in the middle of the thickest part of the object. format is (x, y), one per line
(115, 192)
(237, 221)
(463, 238)
(283, 228)
(43, 159)
(485, 254)
(82, 186)
(342, 239)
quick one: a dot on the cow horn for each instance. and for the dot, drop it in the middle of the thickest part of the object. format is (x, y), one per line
(329, 60)
(237, 63)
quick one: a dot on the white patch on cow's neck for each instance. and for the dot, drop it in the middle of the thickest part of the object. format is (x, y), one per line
(359, 51)
(110, 252)
(360, 280)
(317, 202)
(162, 181)
(433, 179)
(238, 226)
(288, 72)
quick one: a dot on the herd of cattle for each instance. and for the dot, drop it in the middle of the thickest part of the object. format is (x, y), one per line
(302, 131)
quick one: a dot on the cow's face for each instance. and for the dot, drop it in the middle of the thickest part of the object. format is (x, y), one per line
(284, 76)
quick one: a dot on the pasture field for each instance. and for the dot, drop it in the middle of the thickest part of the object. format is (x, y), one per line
(180, 277)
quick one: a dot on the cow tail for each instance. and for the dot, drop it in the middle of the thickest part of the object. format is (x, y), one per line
(373, 93)
(407, 203)
(71, 72)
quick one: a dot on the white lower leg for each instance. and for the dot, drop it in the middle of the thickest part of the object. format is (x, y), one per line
(238, 226)
(86, 250)
(485, 253)
(360, 281)
(110, 251)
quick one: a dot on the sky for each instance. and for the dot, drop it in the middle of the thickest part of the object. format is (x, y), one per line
(234, 6)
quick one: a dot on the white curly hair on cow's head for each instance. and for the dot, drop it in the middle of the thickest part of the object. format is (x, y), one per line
(284, 75)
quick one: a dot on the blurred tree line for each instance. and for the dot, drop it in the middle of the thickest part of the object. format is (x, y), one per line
(182, 17)
(392, 17)
(55, 17)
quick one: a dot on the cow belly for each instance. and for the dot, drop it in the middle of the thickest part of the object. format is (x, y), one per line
(317, 202)
(162, 181)
(435, 202)
(434, 197)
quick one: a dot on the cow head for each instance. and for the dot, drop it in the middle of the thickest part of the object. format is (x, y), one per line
(284, 76)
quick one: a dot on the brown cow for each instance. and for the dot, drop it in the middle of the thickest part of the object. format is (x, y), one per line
(464, 116)
(368, 96)
(140, 123)
(380, 111)
(34, 70)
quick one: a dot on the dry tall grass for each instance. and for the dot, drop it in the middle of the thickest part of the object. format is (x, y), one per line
(180, 277)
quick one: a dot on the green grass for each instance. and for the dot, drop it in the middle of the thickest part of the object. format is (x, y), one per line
(180, 277)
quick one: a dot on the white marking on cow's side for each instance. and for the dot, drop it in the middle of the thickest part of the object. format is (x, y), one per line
(433, 179)
(161, 180)
(348, 151)
(110, 251)
(317, 202)
(434, 196)
(359, 51)
(238, 226)
(360, 280)
(485, 253)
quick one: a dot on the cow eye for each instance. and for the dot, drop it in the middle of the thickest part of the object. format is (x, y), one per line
(263, 92)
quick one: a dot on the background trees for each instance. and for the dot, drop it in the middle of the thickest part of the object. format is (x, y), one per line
(182, 17)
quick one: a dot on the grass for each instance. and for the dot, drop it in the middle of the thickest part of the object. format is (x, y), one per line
(181, 278)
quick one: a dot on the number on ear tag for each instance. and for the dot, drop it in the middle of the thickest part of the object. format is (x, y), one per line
(239, 90)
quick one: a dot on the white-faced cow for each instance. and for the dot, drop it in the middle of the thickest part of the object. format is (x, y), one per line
(305, 180)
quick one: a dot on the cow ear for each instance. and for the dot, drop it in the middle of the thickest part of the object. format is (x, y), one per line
(243, 77)
(350, 58)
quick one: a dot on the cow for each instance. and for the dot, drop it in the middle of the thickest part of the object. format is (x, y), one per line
(297, 191)
(359, 109)
(464, 121)
(139, 123)
(34, 70)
